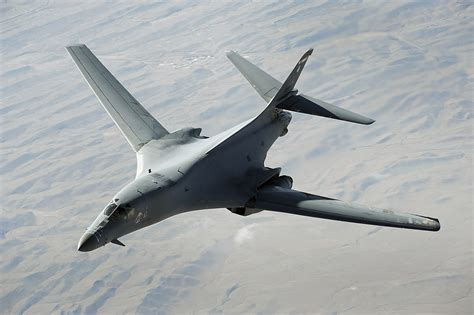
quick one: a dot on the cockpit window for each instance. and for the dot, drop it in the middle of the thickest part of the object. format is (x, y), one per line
(123, 212)
(110, 209)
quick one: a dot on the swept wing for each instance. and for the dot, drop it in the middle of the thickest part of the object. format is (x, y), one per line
(134, 121)
(281, 199)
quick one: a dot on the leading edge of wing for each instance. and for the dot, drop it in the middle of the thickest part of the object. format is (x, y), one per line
(136, 124)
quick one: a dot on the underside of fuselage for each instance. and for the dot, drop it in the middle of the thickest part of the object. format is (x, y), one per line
(229, 174)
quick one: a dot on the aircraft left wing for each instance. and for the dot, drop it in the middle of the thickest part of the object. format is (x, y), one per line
(134, 121)
(280, 199)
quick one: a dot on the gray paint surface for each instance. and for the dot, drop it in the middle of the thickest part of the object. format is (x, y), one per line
(184, 171)
(406, 64)
(134, 121)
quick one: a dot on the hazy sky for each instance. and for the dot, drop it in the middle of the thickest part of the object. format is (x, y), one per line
(409, 65)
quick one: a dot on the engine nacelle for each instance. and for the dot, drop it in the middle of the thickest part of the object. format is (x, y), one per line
(281, 181)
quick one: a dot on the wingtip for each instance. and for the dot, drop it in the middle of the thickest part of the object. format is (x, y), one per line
(230, 53)
(75, 45)
(364, 120)
(307, 54)
(359, 119)
(434, 223)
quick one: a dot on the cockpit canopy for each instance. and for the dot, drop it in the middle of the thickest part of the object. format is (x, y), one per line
(116, 212)
(111, 207)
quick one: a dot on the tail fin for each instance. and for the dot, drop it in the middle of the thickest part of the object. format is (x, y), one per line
(288, 88)
(285, 96)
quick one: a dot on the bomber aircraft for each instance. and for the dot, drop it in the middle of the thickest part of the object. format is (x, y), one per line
(184, 171)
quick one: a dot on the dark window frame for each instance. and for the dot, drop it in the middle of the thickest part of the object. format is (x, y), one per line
(110, 209)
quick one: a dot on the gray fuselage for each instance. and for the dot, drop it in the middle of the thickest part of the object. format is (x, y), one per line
(184, 171)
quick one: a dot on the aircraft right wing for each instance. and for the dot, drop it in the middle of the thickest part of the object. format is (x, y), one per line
(134, 121)
(280, 199)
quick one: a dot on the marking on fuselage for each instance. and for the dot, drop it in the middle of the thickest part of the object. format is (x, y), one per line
(96, 236)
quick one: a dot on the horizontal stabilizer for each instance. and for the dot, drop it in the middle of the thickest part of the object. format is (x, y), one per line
(309, 105)
(280, 199)
(265, 85)
(284, 95)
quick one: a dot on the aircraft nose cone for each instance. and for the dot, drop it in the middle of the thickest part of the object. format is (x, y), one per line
(87, 243)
